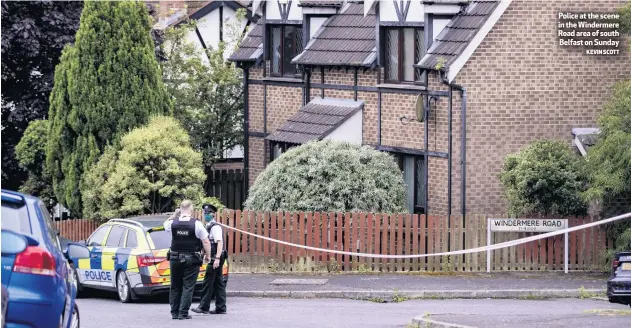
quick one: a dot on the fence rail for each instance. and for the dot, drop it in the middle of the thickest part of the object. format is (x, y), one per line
(387, 234)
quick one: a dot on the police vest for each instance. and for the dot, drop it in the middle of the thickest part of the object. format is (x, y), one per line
(184, 239)
(213, 243)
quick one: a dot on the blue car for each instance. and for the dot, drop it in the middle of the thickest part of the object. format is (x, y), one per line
(35, 272)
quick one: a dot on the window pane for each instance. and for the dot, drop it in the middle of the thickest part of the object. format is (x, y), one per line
(299, 47)
(132, 240)
(275, 51)
(408, 177)
(97, 237)
(161, 239)
(51, 229)
(115, 236)
(420, 52)
(289, 50)
(408, 54)
(420, 182)
(15, 217)
(392, 54)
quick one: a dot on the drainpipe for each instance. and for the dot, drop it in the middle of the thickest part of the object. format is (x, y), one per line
(449, 151)
(378, 108)
(307, 86)
(246, 134)
(463, 145)
(355, 86)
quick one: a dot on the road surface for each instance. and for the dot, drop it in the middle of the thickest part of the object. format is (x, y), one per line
(107, 311)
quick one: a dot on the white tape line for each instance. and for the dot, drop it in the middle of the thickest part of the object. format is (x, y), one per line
(464, 251)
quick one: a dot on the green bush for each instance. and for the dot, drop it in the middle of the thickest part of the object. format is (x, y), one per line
(31, 154)
(330, 176)
(152, 171)
(544, 178)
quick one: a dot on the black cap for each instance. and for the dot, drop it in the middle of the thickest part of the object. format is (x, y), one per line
(209, 208)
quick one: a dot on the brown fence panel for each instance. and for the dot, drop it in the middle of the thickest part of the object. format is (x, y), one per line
(386, 234)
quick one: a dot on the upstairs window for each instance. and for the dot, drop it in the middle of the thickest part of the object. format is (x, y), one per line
(403, 48)
(285, 44)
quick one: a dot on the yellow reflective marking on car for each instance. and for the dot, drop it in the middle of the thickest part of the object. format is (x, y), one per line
(84, 264)
(107, 262)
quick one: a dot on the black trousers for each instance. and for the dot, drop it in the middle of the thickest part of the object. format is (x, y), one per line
(214, 284)
(183, 278)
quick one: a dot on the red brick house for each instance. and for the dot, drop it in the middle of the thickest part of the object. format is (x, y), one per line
(448, 87)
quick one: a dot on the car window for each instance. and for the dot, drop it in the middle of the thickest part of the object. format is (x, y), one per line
(97, 237)
(51, 230)
(115, 236)
(161, 239)
(15, 217)
(132, 239)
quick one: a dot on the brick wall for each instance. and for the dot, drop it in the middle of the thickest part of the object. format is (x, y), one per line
(257, 158)
(522, 86)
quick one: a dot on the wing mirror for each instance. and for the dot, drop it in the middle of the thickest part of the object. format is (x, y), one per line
(76, 251)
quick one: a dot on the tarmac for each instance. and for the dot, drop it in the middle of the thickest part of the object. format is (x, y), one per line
(398, 287)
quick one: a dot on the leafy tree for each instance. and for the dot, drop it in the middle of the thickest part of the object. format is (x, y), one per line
(330, 176)
(33, 35)
(625, 19)
(151, 172)
(106, 84)
(609, 160)
(544, 178)
(31, 153)
(207, 91)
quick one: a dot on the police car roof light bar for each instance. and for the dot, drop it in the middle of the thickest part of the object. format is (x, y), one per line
(128, 221)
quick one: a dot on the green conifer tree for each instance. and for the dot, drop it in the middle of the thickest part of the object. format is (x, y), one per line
(106, 84)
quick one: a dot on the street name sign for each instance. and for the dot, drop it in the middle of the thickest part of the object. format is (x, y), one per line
(527, 225)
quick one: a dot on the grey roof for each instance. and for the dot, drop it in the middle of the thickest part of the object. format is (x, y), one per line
(316, 120)
(320, 3)
(347, 38)
(455, 37)
(429, 2)
(251, 48)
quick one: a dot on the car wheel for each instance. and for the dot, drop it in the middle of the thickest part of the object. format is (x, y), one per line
(123, 287)
(75, 322)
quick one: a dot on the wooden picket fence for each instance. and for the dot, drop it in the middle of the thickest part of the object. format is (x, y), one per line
(400, 234)
(76, 230)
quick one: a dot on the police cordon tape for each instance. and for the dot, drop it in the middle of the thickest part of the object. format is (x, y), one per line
(460, 252)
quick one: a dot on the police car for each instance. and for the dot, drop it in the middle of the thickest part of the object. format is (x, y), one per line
(129, 256)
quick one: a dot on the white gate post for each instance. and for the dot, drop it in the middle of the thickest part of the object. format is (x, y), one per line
(488, 243)
(566, 251)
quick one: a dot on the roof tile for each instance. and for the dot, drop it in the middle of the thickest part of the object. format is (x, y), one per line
(453, 39)
(316, 120)
(248, 48)
(347, 38)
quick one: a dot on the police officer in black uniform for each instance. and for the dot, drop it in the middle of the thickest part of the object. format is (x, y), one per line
(214, 284)
(184, 257)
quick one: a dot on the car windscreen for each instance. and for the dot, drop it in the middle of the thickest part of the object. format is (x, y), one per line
(161, 239)
(15, 217)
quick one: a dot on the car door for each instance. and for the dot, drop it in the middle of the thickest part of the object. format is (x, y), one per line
(89, 270)
(109, 258)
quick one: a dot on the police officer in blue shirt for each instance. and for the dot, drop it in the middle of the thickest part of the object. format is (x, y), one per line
(184, 258)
